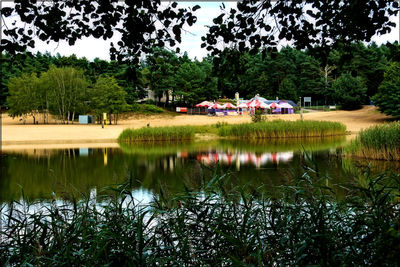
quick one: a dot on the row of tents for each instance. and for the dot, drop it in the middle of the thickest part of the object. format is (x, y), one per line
(254, 103)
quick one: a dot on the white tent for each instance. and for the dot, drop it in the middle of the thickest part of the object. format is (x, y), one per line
(285, 105)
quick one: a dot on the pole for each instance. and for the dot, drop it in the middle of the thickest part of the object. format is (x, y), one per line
(301, 110)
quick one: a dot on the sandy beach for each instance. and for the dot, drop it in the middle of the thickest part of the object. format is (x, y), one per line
(17, 134)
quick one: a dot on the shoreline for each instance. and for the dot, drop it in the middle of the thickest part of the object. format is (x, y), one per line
(16, 134)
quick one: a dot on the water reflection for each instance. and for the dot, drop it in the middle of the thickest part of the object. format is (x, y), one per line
(151, 166)
(238, 159)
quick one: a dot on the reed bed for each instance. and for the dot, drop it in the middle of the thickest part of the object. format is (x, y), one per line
(380, 142)
(157, 134)
(283, 129)
(209, 226)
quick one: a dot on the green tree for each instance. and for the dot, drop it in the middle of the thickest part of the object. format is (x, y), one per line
(24, 98)
(66, 88)
(108, 97)
(349, 91)
(287, 90)
(388, 97)
(192, 83)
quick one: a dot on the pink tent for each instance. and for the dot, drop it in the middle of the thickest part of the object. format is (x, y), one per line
(215, 106)
(257, 104)
(228, 105)
(204, 104)
(274, 105)
(243, 105)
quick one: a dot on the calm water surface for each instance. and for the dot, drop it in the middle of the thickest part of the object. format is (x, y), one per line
(39, 172)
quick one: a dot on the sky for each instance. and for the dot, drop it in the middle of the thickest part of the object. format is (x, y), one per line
(191, 40)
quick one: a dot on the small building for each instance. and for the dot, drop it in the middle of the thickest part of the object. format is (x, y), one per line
(85, 119)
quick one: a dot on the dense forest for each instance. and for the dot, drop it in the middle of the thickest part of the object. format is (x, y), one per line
(350, 77)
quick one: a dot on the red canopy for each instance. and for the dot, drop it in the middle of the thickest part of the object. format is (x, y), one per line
(204, 104)
(215, 106)
(228, 105)
(257, 104)
(274, 105)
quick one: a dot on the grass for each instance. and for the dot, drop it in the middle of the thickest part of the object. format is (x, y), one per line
(272, 129)
(378, 142)
(283, 129)
(210, 226)
(157, 134)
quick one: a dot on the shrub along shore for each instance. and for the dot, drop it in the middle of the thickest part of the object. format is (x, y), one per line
(272, 129)
(378, 142)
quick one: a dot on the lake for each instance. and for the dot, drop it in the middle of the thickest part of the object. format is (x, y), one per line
(259, 164)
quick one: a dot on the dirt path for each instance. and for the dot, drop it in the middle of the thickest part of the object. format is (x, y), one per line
(16, 133)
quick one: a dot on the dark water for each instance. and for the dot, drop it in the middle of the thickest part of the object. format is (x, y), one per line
(168, 165)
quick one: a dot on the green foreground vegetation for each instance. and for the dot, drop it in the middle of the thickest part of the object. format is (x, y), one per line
(300, 224)
(377, 142)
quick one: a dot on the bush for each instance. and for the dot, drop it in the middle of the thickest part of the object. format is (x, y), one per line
(258, 117)
(146, 108)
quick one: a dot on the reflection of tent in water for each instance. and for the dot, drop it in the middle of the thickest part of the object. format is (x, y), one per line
(244, 158)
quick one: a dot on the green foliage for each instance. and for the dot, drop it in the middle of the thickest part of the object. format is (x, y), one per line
(287, 90)
(388, 97)
(24, 95)
(107, 96)
(300, 224)
(189, 81)
(156, 134)
(349, 91)
(283, 129)
(377, 142)
(258, 117)
(65, 89)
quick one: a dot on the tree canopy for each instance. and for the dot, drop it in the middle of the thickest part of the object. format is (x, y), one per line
(321, 24)
(388, 96)
(141, 24)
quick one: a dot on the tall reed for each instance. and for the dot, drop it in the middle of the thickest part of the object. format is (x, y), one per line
(377, 142)
(283, 129)
(157, 134)
(210, 226)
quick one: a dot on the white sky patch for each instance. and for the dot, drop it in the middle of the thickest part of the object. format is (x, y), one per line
(91, 47)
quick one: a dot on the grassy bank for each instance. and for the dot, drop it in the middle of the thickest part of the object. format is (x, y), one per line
(157, 134)
(283, 129)
(378, 142)
(271, 129)
(305, 225)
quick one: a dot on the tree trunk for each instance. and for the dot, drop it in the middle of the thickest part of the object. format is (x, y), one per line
(68, 117)
(73, 117)
(110, 119)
